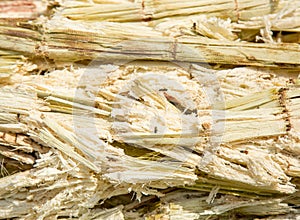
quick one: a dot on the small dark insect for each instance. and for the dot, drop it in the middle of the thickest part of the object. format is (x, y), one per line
(244, 151)
(163, 90)
(194, 25)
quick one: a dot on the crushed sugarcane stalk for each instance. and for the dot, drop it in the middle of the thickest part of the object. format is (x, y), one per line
(119, 109)
(69, 41)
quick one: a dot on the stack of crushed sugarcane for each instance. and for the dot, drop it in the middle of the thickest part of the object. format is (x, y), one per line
(121, 109)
